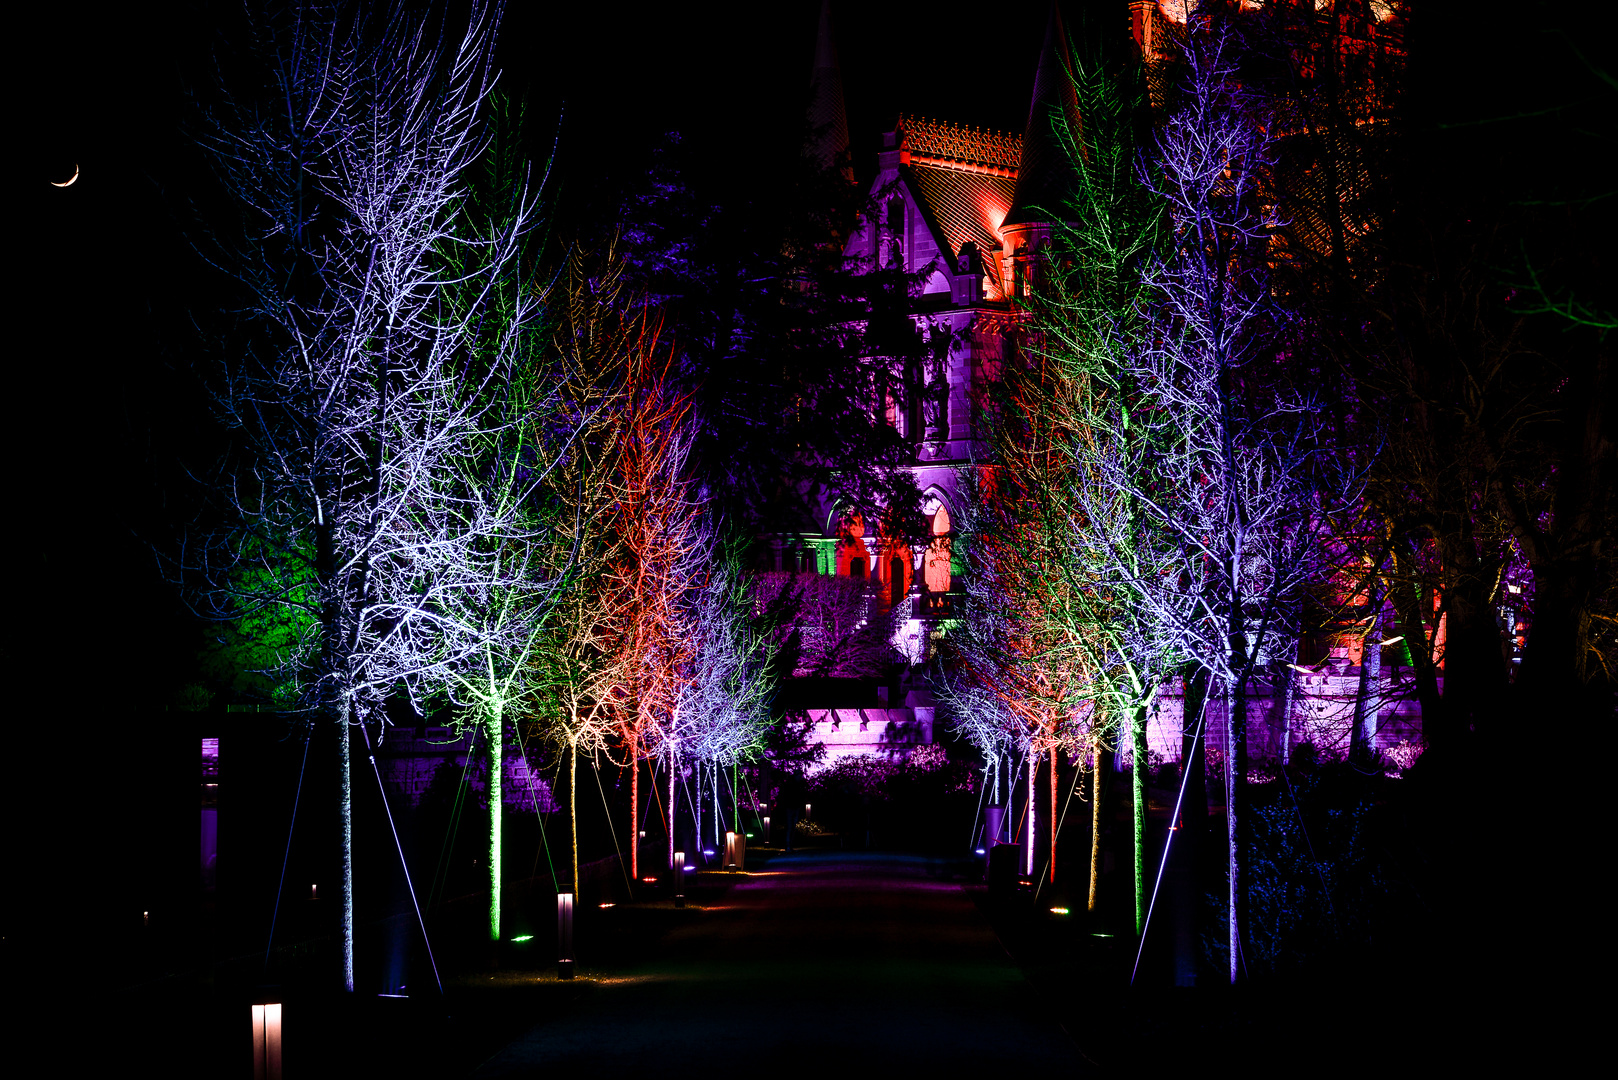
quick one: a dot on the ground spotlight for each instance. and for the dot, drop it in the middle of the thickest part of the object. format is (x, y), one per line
(267, 1041)
(564, 935)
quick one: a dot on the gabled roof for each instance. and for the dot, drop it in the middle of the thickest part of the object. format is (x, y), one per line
(963, 176)
(964, 206)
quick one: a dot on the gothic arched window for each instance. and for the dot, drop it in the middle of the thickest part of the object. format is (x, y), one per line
(896, 580)
(936, 567)
(896, 230)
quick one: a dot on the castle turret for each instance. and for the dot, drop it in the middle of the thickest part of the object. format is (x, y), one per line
(827, 116)
(1043, 174)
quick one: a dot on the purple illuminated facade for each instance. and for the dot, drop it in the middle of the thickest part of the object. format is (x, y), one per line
(962, 211)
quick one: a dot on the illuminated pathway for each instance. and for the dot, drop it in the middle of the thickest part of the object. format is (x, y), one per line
(852, 962)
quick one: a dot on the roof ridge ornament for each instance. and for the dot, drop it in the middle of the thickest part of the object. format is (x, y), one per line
(941, 144)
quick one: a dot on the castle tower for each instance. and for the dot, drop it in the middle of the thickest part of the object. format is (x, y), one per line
(827, 115)
(1043, 175)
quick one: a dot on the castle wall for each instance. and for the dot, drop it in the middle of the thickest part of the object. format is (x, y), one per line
(887, 734)
(1322, 714)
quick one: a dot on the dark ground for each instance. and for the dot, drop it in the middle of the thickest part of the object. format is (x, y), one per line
(819, 961)
(816, 962)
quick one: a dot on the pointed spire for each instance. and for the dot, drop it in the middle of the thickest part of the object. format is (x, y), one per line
(827, 116)
(1042, 173)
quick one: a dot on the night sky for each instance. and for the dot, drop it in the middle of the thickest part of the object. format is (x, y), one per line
(111, 280)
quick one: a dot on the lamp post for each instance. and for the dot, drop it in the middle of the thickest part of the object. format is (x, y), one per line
(564, 935)
(679, 879)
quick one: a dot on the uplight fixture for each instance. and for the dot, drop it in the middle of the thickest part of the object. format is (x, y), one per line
(267, 1041)
(564, 935)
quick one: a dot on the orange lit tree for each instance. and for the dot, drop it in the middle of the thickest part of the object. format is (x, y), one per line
(657, 513)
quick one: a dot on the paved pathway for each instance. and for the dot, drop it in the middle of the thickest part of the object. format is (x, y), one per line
(824, 961)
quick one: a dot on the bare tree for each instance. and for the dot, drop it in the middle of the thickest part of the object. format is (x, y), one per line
(1225, 478)
(356, 394)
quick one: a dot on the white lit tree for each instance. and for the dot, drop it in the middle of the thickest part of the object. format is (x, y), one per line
(358, 388)
(1225, 471)
(721, 713)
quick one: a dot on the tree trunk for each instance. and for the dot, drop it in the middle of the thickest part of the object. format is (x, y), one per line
(1474, 670)
(1099, 765)
(673, 814)
(345, 814)
(1283, 682)
(1052, 829)
(573, 808)
(496, 801)
(1033, 801)
(1138, 789)
(1236, 819)
(634, 813)
(1407, 605)
(1368, 697)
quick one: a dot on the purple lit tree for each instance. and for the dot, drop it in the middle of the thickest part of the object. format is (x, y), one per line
(721, 707)
(1227, 474)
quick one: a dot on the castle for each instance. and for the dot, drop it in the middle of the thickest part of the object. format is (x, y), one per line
(958, 208)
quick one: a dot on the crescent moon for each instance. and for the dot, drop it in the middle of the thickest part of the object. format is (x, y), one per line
(70, 181)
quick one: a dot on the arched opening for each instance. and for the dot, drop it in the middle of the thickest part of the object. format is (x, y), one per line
(935, 570)
(896, 580)
(896, 232)
(850, 556)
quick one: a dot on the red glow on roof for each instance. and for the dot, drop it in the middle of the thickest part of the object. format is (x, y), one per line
(967, 149)
(992, 211)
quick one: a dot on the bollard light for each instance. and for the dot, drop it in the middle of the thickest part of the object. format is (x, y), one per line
(564, 935)
(267, 1042)
(730, 850)
(314, 892)
(806, 809)
(679, 879)
(766, 828)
